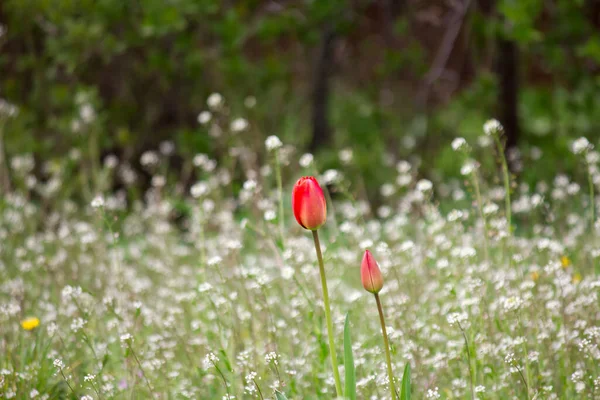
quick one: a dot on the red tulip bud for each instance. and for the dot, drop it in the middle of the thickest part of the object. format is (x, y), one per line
(370, 274)
(308, 203)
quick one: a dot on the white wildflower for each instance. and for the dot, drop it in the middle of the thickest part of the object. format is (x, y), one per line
(492, 127)
(273, 143)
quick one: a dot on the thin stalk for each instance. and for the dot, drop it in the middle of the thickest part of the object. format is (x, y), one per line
(224, 380)
(67, 382)
(258, 388)
(469, 361)
(332, 353)
(388, 357)
(523, 379)
(526, 351)
(142, 370)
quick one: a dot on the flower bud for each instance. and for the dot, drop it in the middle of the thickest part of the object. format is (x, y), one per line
(308, 203)
(370, 274)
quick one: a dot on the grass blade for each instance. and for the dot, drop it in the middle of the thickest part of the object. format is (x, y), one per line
(405, 393)
(350, 381)
(279, 395)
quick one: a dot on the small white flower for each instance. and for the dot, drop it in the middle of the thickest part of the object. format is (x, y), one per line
(249, 185)
(126, 338)
(87, 113)
(204, 287)
(424, 185)
(199, 189)
(433, 393)
(77, 324)
(330, 176)
(204, 117)
(214, 261)
(97, 202)
(491, 127)
(210, 360)
(346, 156)
(214, 101)
(490, 208)
(581, 145)
(238, 125)
(250, 101)
(467, 168)
(273, 143)
(272, 357)
(270, 215)
(58, 363)
(306, 160)
(166, 147)
(459, 143)
(149, 158)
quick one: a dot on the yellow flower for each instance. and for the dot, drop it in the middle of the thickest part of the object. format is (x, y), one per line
(535, 276)
(565, 261)
(30, 323)
(576, 277)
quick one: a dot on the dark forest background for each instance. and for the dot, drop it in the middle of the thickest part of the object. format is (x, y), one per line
(388, 79)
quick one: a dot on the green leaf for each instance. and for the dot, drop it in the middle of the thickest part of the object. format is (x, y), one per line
(350, 389)
(280, 396)
(405, 393)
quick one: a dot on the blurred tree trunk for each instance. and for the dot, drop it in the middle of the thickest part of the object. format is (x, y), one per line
(321, 131)
(508, 79)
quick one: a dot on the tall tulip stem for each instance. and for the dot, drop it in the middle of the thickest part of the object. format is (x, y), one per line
(388, 357)
(330, 336)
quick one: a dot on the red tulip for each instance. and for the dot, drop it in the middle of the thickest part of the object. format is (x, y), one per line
(370, 274)
(308, 203)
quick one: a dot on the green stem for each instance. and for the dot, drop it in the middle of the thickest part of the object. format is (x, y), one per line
(388, 357)
(332, 353)
(137, 360)
(469, 361)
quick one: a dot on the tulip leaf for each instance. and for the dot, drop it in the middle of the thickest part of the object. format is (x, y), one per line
(405, 393)
(280, 396)
(350, 389)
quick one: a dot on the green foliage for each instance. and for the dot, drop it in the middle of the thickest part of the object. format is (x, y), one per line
(279, 395)
(405, 391)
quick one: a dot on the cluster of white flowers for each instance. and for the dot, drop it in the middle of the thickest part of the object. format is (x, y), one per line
(492, 127)
(306, 160)
(459, 143)
(581, 145)
(210, 360)
(273, 143)
(97, 202)
(272, 358)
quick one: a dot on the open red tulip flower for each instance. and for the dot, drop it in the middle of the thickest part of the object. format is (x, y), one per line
(308, 203)
(370, 273)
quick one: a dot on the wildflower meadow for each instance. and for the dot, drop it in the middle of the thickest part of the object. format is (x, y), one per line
(283, 282)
